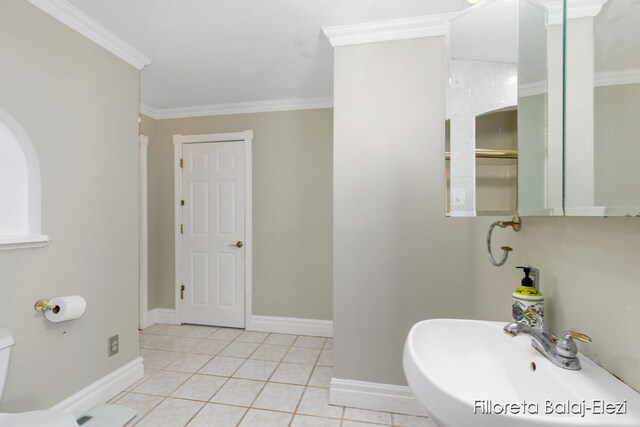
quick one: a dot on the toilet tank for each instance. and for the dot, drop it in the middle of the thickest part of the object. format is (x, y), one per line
(6, 342)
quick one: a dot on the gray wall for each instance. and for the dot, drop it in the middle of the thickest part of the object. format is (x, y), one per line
(79, 105)
(397, 259)
(292, 178)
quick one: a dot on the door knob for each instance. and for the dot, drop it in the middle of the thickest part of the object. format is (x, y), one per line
(238, 244)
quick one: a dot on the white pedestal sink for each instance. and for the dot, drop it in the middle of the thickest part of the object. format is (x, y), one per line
(465, 371)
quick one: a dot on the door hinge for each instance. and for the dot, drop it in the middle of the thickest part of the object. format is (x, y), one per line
(181, 291)
(181, 229)
(181, 202)
(181, 163)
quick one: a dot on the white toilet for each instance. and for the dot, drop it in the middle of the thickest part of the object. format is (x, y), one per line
(26, 419)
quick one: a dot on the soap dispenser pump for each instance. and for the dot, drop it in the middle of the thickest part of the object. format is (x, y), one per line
(525, 297)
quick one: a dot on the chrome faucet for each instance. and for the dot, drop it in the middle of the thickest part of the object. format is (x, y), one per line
(562, 351)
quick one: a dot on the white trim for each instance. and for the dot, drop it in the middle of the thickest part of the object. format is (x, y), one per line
(149, 111)
(532, 89)
(248, 226)
(577, 9)
(102, 390)
(538, 212)
(291, 325)
(144, 236)
(585, 211)
(212, 137)
(619, 77)
(374, 396)
(177, 220)
(247, 138)
(77, 20)
(388, 30)
(10, 243)
(584, 8)
(461, 214)
(161, 315)
(267, 106)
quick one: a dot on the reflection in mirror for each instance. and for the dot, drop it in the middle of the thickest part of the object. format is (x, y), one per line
(499, 160)
(603, 100)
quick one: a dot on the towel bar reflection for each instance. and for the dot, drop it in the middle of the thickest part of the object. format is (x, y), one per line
(515, 223)
(490, 153)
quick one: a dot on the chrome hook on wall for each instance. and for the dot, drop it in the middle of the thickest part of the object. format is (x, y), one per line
(515, 223)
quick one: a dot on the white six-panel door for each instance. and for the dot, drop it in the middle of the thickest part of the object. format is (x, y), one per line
(213, 233)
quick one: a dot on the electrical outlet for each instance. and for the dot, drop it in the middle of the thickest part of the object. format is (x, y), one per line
(114, 345)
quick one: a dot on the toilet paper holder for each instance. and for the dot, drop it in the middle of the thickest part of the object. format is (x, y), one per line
(43, 305)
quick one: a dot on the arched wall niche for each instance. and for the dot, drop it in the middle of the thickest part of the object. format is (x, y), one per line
(20, 188)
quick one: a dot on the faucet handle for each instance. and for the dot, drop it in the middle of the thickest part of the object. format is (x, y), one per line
(576, 335)
(566, 346)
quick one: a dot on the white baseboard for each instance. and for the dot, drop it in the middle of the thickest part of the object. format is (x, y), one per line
(291, 325)
(374, 396)
(161, 315)
(102, 390)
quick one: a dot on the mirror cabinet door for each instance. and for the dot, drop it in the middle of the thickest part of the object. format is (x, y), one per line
(505, 82)
(602, 140)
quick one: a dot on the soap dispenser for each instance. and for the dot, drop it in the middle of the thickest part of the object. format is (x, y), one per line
(525, 297)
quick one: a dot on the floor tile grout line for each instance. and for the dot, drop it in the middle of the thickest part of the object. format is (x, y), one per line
(229, 378)
(204, 404)
(218, 390)
(290, 346)
(150, 411)
(252, 403)
(181, 384)
(304, 391)
(269, 380)
(306, 387)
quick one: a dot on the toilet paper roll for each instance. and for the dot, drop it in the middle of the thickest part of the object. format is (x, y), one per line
(66, 308)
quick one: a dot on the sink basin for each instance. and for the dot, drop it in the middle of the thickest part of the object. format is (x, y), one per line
(464, 371)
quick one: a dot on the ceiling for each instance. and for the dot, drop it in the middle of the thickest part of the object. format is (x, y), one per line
(517, 35)
(212, 52)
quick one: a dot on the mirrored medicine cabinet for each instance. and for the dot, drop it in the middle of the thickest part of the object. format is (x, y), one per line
(542, 108)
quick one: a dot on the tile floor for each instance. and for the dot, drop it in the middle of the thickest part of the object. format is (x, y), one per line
(219, 377)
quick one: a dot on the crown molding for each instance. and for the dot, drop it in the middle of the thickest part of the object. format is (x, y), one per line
(532, 89)
(388, 30)
(614, 78)
(77, 20)
(577, 9)
(148, 111)
(584, 8)
(237, 108)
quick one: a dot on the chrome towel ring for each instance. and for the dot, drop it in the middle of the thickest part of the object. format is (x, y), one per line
(515, 223)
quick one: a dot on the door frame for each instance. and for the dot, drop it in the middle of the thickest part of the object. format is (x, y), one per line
(144, 243)
(246, 137)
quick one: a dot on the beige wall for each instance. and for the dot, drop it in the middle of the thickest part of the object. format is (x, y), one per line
(292, 203)
(616, 145)
(397, 259)
(78, 104)
(589, 278)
